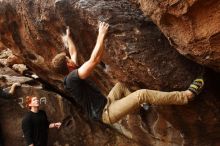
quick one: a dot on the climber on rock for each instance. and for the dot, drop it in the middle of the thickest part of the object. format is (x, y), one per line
(120, 101)
(35, 124)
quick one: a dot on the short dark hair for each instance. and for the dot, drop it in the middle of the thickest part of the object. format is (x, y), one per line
(59, 63)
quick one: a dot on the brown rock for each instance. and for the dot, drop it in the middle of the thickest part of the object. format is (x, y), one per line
(192, 26)
(21, 68)
(136, 53)
(11, 60)
(8, 76)
(7, 58)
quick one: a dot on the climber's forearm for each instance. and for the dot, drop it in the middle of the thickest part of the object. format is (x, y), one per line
(99, 49)
(72, 50)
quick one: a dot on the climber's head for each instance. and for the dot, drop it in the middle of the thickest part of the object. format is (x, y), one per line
(63, 64)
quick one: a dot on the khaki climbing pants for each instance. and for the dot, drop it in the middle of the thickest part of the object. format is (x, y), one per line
(122, 102)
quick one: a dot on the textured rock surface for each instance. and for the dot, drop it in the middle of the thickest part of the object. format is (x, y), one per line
(192, 26)
(136, 53)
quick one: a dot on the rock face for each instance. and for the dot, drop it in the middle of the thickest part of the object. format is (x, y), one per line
(136, 53)
(192, 26)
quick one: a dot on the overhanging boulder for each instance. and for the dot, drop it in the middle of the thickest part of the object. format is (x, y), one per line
(136, 53)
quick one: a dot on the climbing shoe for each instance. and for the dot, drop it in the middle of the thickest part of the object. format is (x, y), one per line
(196, 86)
